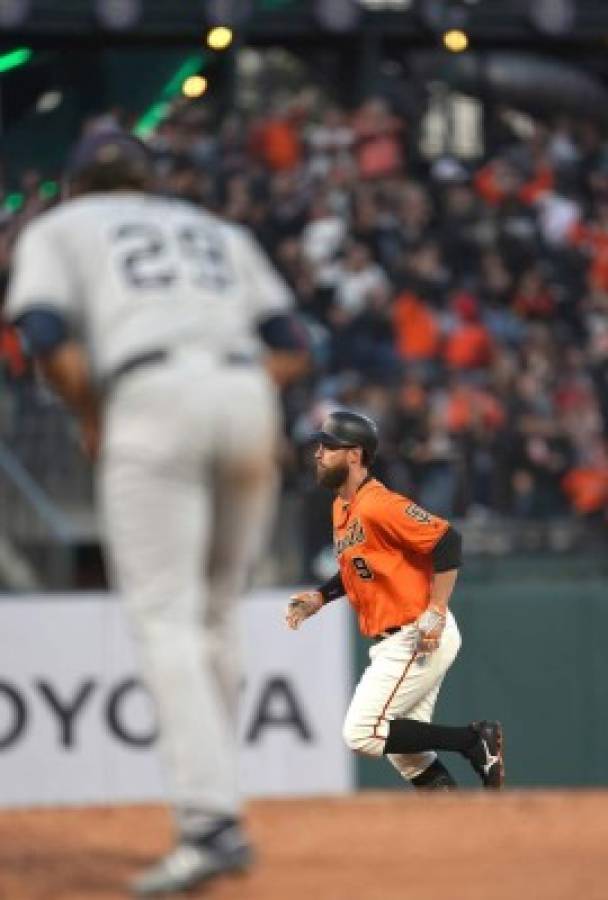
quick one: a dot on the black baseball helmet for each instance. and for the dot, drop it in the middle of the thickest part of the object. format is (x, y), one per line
(109, 159)
(344, 428)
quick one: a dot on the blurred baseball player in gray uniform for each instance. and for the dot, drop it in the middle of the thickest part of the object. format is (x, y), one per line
(160, 325)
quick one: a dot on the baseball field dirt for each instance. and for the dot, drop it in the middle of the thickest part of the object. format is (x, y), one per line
(371, 846)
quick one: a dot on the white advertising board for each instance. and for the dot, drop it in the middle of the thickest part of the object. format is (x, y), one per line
(76, 725)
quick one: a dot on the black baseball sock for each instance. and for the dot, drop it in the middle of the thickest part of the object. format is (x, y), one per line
(411, 736)
(434, 778)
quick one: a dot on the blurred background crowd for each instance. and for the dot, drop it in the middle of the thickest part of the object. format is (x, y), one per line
(460, 300)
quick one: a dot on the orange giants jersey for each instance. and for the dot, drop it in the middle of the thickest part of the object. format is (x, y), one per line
(384, 544)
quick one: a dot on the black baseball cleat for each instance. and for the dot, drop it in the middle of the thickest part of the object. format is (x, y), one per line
(486, 755)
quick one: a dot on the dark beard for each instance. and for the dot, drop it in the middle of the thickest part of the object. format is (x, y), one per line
(332, 478)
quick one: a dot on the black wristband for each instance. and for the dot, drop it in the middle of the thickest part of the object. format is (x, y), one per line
(332, 589)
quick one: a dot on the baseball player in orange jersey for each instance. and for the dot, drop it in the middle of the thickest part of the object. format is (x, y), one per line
(398, 565)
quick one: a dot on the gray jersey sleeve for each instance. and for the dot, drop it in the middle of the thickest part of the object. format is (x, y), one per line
(267, 291)
(41, 276)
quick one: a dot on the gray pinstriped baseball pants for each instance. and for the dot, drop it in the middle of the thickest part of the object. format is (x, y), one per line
(187, 484)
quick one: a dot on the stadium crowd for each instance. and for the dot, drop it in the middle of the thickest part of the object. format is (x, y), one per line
(463, 306)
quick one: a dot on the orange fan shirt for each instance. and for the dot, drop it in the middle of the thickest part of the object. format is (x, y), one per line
(384, 543)
(416, 328)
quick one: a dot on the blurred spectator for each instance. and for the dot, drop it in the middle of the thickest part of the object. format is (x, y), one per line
(417, 329)
(461, 229)
(378, 140)
(533, 297)
(275, 140)
(468, 345)
(422, 270)
(586, 484)
(359, 283)
(322, 238)
(329, 142)
(592, 239)
(12, 356)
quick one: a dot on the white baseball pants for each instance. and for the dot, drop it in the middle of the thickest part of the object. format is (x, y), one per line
(397, 684)
(187, 484)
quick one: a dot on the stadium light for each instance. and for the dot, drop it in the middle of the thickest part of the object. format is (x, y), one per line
(442, 16)
(13, 202)
(158, 110)
(455, 40)
(229, 13)
(220, 37)
(13, 12)
(553, 17)
(49, 101)
(48, 190)
(118, 14)
(194, 86)
(339, 16)
(386, 5)
(190, 66)
(15, 58)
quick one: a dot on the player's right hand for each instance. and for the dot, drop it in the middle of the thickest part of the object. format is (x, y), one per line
(302, 606)
(431, 625)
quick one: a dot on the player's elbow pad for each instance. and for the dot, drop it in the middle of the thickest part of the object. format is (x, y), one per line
(284, 331)
(43, 330)
(448, 551)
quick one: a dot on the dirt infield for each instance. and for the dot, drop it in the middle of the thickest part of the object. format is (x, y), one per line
(380, 846)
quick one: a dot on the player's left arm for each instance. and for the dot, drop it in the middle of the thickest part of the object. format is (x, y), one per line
(447, 559)
(404, 524)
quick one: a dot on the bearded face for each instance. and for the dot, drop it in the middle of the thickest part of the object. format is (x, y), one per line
(332, 468)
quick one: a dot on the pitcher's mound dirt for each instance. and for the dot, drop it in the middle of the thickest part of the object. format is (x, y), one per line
(376, 846)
